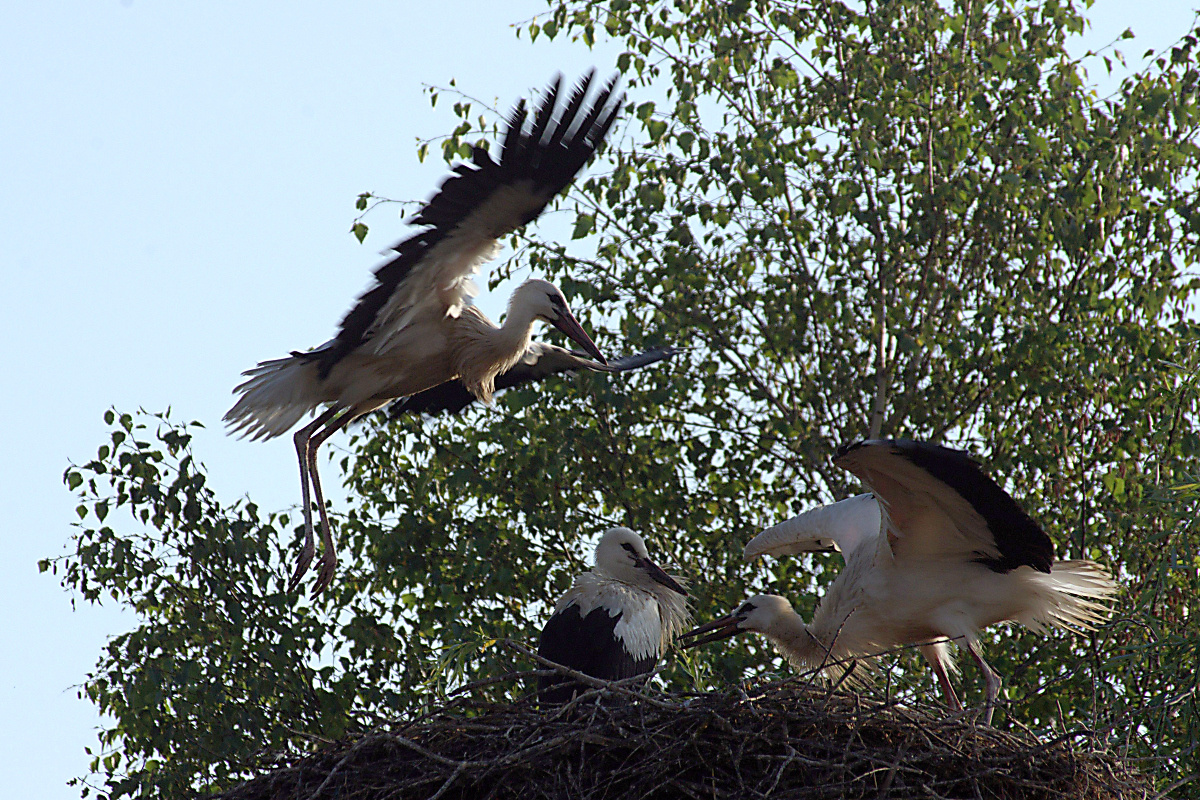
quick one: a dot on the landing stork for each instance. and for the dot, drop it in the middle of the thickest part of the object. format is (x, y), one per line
(936, 553)
(615, 621)
(416, 327)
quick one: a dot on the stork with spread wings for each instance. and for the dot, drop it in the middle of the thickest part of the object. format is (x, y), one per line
(416, 328)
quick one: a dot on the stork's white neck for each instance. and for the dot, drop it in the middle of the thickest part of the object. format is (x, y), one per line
(517, 331)
(484, 350)
(797, 641)
(674, 606)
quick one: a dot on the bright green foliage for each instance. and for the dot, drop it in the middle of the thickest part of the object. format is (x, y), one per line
(911, 221)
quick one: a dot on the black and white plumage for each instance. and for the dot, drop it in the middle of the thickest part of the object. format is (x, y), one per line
(539, 362)
(615, 621)
(936, 553)
(416, 327)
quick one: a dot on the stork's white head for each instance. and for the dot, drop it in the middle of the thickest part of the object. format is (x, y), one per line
(538, 299)
(762, 613)
(622, 554)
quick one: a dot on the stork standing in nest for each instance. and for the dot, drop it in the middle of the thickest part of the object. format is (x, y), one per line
(416, 327)
(615, 621)
(936, 553)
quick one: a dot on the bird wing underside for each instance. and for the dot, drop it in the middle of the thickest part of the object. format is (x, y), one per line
(482, 201)
(539, 362)
(939, 502)
(844, 526)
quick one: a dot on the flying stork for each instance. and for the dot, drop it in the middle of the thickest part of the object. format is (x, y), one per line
(539, 362)
(615, 621)
(936, 552)
(416, 327)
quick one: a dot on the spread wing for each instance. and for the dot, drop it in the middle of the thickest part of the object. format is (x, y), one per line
(939, 502)
(473, 209)
(539, 362)
(844, 526)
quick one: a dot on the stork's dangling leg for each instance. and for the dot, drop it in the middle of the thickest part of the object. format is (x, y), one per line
(302, 449)
(415, 328)
(328, 553)
(992, 679)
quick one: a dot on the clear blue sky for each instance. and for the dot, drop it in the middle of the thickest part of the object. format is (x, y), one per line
(176, 186)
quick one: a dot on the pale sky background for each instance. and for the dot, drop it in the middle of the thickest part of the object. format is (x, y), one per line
(177, 182)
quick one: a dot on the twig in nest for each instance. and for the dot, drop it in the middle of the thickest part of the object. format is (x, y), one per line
(785, 740)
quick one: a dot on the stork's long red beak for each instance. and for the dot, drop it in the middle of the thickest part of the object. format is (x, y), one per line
(723, 628)
(571, 327)
(657, 573)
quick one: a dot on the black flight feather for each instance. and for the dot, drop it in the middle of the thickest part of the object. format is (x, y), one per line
(550, 155)
(1020, 540)
(539, 363)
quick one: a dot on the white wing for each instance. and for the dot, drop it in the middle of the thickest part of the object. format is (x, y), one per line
(844, 526)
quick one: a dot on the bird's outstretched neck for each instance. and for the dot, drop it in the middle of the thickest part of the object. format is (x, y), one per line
(807, 647)
(803, 645)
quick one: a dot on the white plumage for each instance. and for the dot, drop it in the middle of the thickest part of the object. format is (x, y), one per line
(615, 621)
(415, 328)
(937, 553)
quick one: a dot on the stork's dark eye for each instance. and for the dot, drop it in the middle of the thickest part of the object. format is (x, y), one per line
(746, 608)
(627, 547)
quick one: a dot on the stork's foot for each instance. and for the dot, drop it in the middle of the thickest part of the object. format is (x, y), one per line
(306, 556)
(986, 712)
(326, 572)
(992, 684)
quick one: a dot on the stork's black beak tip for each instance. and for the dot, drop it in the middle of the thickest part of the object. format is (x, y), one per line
(723, 628)
(570, 326)
(658, 574)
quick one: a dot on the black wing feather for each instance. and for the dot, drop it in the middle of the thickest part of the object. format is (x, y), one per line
(588, 645)
(452, 397)
(1020, 540)
(534, 141)
(551, 165)
(516, 123)
(571, 111)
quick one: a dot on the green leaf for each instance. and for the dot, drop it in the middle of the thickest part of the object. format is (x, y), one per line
(909, 220)
(584, 225)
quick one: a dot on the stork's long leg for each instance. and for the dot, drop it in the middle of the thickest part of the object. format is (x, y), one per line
(936, 655)
(992, 686)
(328, 552)
(302, 448)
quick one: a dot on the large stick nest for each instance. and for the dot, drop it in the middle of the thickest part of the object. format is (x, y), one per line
(782, 740)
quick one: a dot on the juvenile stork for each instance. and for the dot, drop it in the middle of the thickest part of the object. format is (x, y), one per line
(937, 552)
(539, 362)
(416, 327)
(615, 621)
